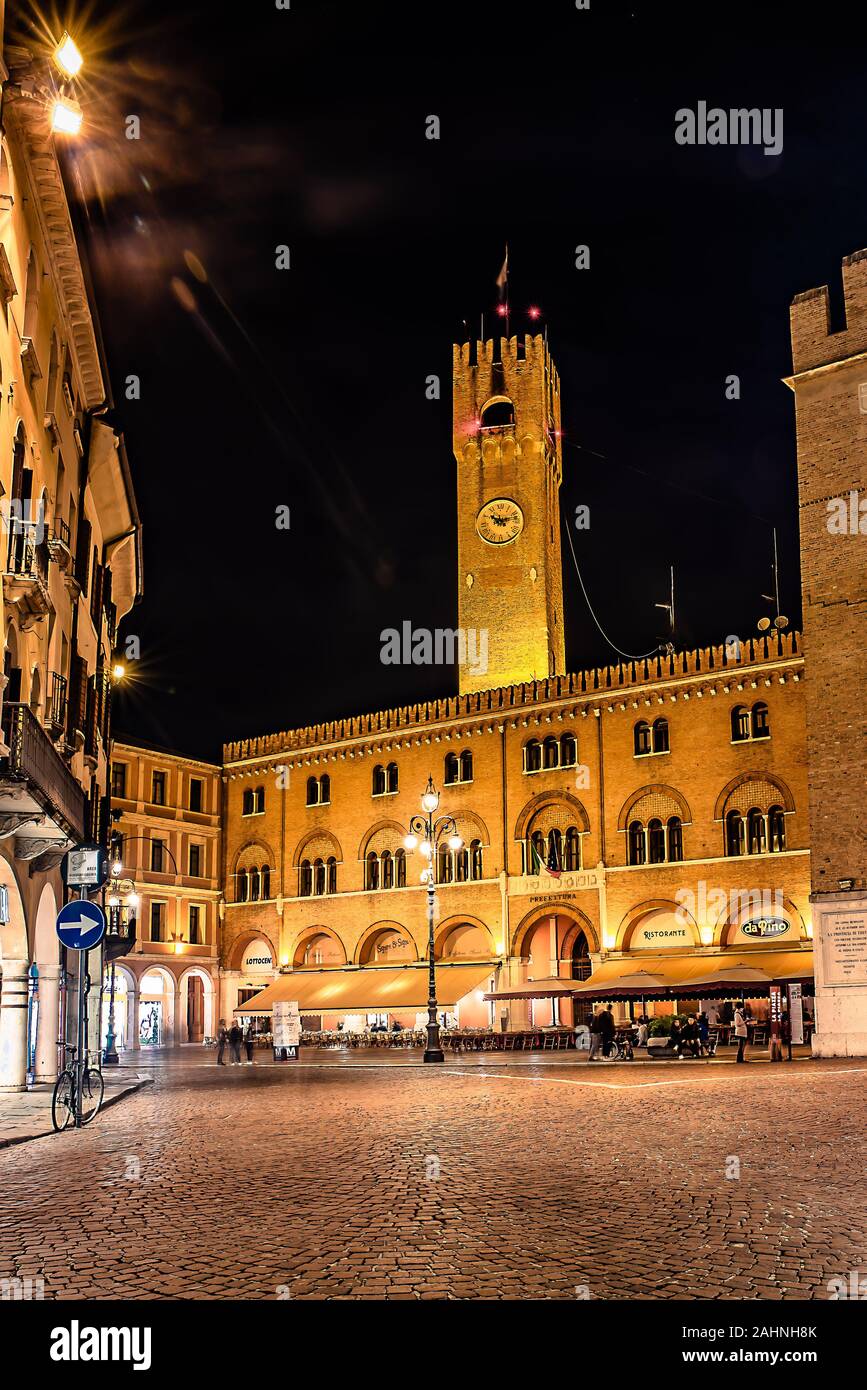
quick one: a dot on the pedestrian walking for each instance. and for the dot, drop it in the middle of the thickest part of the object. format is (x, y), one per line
(235, 1043)
(741, 1033)
(595, 1036)
(248, 1044)
(222, 1039)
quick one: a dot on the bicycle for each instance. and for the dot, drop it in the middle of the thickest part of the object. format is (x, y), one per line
(64, 1100)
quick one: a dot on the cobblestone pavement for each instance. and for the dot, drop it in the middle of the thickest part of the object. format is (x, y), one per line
(364, 1182)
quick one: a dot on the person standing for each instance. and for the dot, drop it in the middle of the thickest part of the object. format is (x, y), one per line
(235, 1043)
(608, 1031)
(786, 1034)
(741, 1033)
(248, 1045)
(595, 1036)
(222, 1039)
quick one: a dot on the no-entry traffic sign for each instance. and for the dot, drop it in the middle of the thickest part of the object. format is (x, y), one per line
(81, 925)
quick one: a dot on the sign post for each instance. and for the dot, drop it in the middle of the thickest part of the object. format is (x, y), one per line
(286, 1030)
(776, 1051)
(80, 926)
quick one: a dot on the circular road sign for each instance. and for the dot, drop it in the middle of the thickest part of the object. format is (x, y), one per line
(81, 925)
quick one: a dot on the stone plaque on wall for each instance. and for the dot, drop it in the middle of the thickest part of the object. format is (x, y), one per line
(844, 947)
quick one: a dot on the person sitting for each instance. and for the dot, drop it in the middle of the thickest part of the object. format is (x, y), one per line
(675, 1037)
(396, 1027)
(703, 1031)
(690, 1038)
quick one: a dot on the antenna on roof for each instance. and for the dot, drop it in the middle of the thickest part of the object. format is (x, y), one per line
(780, 620)
(669, 607)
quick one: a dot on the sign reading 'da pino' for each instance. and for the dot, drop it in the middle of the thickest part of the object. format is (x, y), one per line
(764, 927)
(844, 946)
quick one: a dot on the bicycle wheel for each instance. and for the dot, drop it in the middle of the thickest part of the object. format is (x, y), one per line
(63, 1101)
(92, 1091)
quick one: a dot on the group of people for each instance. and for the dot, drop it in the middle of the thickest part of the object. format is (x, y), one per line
(234, 1038)
(689, 1039)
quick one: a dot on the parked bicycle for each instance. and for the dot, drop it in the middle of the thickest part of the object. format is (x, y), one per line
(64, 1101)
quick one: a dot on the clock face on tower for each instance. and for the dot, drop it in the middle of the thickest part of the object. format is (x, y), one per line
(500, 521)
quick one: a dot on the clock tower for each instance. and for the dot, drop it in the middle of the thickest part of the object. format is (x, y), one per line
(507, 445)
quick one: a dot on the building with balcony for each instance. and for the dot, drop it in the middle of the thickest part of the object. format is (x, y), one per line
(166, 834)
(70, 554)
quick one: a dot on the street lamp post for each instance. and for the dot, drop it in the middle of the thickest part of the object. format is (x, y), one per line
(116, 909)
(426, 834)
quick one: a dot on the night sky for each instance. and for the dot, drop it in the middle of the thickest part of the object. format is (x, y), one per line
(305, 388)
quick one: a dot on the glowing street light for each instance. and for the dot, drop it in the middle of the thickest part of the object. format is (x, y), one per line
(426, 833)
(118, 671)
(67, 56)
(66, 116)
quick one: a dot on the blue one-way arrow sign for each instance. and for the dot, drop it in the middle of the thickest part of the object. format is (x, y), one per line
(81, 925)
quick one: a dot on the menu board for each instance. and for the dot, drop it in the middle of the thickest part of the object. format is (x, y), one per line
(844, 946)
(286, 1025)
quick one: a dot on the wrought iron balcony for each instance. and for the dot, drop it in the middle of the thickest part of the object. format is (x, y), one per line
(37, 790)
(26, 579)
(55, 709)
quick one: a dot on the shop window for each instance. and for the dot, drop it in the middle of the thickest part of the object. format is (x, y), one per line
(760, 724)
(637, 847)
(660, 736)
(740, 723)
(734, 833)
(776, 829)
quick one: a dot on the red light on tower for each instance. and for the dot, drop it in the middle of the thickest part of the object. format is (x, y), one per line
(502, 310)
(534, 312)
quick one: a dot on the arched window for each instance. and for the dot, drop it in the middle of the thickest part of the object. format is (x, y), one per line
(462, 865)
(387, 870)
(532, 755)
(568, 750)
(332, 874)
(555, 850)
(400, 867)
(660, 736)
(776, 829)
(444, 864)
(391, 777)
(266, 881)
(318, 877)
(254, 885)
(675, 839)
(641, 737)
(572, 858)
(243, 889)
(755, 831)
(258, 800)
(372, 871)
(324, 789)
(379, 780)
(466, 766)
(637, 846)
(498, 415)
(312, 791)
(305, 879)
(761, 726)
(536, 853)
(734, 833)
(476, 866)
(450, 773)
(550, 752)
(655, 841)
(247, 802)
(740, 723)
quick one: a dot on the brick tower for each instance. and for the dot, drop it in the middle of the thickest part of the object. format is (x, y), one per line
(830, 385)
(507, 445)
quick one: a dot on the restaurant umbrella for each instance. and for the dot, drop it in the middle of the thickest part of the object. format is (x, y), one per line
(735, 979)
(640, 984)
